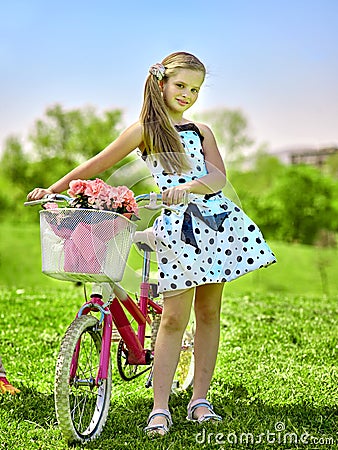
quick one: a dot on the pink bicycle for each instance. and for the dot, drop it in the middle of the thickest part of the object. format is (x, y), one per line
(93, 246)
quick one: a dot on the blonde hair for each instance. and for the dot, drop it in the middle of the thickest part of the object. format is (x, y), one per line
(159, 134)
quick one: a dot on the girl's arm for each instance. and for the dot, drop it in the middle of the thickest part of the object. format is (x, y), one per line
(216, 178)
(212, 182)
(130, 139)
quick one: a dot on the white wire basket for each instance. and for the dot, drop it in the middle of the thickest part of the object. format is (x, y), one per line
(85, 244)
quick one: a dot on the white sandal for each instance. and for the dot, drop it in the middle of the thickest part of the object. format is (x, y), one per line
(212, 416)
(158, 429)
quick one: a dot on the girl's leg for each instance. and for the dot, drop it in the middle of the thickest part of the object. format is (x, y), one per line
(207, 310)
(175, 316)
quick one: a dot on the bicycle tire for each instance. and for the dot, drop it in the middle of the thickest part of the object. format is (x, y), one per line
(81, 406)
(128, 372)
(184, 375)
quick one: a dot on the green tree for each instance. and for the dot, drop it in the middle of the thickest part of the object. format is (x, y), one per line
(290, 203)
(230, 127)
(14, 162)
(74, 135)
(331, 165)
(59, 142)
(303, 199)
(14, 166)
(63, 139)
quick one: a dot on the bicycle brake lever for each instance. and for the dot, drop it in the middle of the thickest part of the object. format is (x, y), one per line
(160, 206)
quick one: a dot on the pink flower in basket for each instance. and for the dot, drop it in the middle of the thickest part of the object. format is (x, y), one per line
(95, 188)
(50, 205)
(96, 194)
(77, 187)
(87, 239)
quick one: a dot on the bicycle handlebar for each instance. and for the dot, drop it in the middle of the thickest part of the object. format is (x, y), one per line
(50, 197)
(153, 197)
(153, 205)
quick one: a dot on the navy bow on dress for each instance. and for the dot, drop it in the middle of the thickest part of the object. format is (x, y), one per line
(215, 222)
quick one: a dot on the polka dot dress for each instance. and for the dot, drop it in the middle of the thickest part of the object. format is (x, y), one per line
(210, 240)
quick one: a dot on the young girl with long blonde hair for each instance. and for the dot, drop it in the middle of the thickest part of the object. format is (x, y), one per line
(210, 241)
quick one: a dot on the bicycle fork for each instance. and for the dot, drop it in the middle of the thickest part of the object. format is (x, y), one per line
(96, 304)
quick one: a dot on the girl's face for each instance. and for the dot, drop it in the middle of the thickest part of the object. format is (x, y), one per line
(180, 91)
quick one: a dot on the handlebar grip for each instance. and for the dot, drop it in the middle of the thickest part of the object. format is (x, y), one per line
(151, 195)
(33, 203)
(48, 198)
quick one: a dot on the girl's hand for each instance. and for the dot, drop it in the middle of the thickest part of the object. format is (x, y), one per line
(176, 195)
(38, 193)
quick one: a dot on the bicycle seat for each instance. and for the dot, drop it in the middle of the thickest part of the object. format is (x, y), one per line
(145, 240)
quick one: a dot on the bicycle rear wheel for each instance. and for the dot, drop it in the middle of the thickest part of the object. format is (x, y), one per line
(184, 375)
(81, 406)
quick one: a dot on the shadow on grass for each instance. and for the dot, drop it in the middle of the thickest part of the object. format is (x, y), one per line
(30, 406)
(246, 424)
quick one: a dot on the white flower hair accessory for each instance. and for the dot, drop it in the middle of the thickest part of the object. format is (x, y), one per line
(158, 70)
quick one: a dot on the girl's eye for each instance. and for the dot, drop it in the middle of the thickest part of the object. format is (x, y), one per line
(179, 85)
(195, 91)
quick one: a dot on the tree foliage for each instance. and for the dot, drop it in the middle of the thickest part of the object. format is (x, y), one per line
(74, 135)
(290, 203)
(59, 142)
(230, 127)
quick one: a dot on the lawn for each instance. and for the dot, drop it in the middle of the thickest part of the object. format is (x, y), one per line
(300, 270)
(275, 382)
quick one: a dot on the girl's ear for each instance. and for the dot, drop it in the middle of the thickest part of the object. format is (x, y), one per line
(161, 84)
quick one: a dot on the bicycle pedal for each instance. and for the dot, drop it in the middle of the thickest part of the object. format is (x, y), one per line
(149, 381)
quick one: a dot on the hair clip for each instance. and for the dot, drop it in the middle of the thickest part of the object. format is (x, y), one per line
(157, 70)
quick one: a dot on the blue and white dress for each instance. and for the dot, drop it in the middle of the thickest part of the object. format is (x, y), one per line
(210, 240)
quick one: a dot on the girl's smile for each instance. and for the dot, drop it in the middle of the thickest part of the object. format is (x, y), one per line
(182, 102)
(180, 91)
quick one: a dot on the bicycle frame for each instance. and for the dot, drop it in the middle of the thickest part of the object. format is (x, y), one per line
(83, 375)
(113, 312)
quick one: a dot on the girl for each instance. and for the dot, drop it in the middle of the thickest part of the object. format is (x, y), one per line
(209, 242)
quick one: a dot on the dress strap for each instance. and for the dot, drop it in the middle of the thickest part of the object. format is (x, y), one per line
(190, 127)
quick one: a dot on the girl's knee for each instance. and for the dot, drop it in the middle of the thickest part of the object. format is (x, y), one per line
(207, 314)
(176, 310)
(172, 323)
(208, 303)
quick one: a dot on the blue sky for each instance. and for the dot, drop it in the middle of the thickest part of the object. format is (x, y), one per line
(275, 60)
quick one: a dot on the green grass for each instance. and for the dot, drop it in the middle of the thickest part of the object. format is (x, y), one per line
(297, 271)
(276, 364)
(276, 368)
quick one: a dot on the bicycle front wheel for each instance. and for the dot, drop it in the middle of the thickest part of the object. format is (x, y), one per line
(81, 406)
